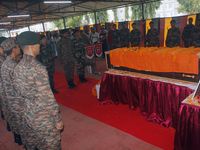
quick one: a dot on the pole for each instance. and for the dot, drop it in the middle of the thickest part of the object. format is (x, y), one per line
(64, 22)
(29, 28)
(143, 18)
(95, 17)
(43, 26)
(9, 33)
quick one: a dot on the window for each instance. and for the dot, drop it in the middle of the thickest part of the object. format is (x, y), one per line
(170, 5)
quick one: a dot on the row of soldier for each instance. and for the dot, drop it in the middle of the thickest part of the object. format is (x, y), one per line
(27, 102)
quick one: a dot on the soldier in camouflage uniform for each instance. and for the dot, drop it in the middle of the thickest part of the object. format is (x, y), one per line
(66, 57)
(124, 36)
(152, 37)
(47, 59)
(135, 36)
(186, 34)
(115, 37)
(2, 59)
(195, 36)
(41, 111)
(173, 35)
(79, 54)
(85, 38)
(11, 103)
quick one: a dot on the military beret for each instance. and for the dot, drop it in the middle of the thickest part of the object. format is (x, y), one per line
(190, 18)
(8, 44)
(2, 39)
(75, 30)
(28, 38)
(133, 23)
(151, 22)
(42, 36)
(173, 21)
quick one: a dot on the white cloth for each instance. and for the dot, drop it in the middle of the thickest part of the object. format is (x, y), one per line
(94, 37)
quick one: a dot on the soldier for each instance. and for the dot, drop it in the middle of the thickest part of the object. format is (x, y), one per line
(79, 54)
(152, 36)
(186, 34)
(173, 35)
(135, 36)
(85, 38)
(2, 59)
(115, 37)
(124, 36)
(195, 36)
(41, 111)
(46, 57)
(66, 57)
(10, 101)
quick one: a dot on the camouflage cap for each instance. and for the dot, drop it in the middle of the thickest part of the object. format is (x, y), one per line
(28, 38)
(8, 44)
(2, 39)
(42, 36)
(173, 21)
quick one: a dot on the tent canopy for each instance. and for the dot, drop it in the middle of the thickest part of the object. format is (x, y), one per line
(41, 12)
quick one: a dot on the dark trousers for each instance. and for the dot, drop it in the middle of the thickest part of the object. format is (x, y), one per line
(104, 49)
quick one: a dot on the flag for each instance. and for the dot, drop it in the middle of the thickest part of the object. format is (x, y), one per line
(98, 49)
(89, 51)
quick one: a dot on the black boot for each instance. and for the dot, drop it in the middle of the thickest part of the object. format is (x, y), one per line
(73, 84)
(2, 116)
(54, 90)
(8, 127)
(70, 85)
(82, 79)
(17, 139)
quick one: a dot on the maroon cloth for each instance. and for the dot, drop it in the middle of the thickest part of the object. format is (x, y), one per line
(187, 136)
(159, 101)
(110, 36)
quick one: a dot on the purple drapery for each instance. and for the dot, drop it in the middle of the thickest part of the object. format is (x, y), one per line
(187, 136)
(159, 101)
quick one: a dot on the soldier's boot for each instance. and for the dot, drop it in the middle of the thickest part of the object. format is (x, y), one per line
(2, 116)
(83, 79)
(73, 84)
(54, 90)
(17, 139)
(8, 127)
(70, 85)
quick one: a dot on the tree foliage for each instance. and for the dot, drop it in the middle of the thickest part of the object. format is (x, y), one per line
(115, 14)
(74, 21)
(189, 6)
(102, 16)
(127, 13)
(150, 10)
(59, 23)
(87, 18)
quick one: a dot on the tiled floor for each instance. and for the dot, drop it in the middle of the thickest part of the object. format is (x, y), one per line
(84, 133)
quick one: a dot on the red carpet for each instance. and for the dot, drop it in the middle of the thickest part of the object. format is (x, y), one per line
(119, 116)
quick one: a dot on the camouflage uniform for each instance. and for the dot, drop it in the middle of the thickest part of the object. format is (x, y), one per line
(47, 59)
(115, 38)
(186, 35)
(66, 57)
(41, 109)
(2, 59)
(195, 36)
(135, 37)
(85, 39)
(173, 37)
(152, 37)
(79, 54)
(124, 37)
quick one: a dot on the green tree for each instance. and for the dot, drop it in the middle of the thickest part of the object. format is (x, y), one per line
(115, 14)
(59, 23)
(127, 13)
(102, 16)
(189, 6)
(150, 10)
(87, 17)
(74, 21)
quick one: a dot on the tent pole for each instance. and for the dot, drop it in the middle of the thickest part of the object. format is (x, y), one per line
(143, 19)
(64, 22)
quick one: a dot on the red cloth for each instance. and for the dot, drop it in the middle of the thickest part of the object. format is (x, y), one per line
(110, 36)
(159, 101)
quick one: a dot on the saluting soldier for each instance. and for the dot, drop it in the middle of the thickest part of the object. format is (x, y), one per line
(11, 103)
(186, 34)
(135, 36)
(41, 111)
(79, 54)
(124, 36)
(2, 59)
(196, 35)
(46, 57)
(152, 37)
(115, 37)
(66, 57)
(173, 35)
